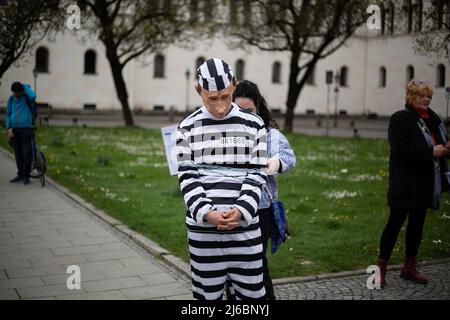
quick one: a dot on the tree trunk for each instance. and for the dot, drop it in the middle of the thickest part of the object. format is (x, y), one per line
(289, 118)
(2, 71)
(119, 82)
(4, 66)
(293, 92)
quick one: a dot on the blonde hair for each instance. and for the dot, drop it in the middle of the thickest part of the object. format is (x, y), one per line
(416, 89)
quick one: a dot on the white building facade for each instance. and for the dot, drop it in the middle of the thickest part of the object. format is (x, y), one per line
(377, 64)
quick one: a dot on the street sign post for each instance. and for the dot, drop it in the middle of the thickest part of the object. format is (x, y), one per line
(337, 79)
(447, 90)
(329, 82)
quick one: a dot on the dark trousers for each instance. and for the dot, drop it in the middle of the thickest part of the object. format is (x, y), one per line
(416, 220)
(21, 142)
(265, 223)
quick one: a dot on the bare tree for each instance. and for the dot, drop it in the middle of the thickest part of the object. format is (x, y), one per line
(436, 41)
(22, 25)
(309, 29)
(130, 28)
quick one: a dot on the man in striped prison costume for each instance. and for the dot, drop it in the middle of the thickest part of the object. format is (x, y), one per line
(221, 150)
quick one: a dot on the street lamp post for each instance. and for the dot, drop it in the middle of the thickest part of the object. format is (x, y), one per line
(337, 78)
(35, 75)
(447, 90)
(188, 75)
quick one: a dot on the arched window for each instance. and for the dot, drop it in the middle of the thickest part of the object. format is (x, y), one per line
(240, 66)
(41, 60)
(382, 77)
(383, 20)
(90, 62)
(276, 72)
(193, 10)
(311, 77)
(442, 13)
(159, 66)
(415, 12)
(440, 76)
(409, 73)
(198, 63)
(419, 15)
(390, 17)
(209, 10)
(344, 77)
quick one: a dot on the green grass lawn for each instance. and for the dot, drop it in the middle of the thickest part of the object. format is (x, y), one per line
(335, 197)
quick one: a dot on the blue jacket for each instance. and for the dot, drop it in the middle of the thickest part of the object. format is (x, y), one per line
(277, 144)
(18, 113)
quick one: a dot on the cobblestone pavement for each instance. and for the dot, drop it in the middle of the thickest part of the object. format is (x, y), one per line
(42, 232)
(354, 287)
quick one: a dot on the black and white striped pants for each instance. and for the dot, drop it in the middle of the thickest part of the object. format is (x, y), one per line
(218, 257)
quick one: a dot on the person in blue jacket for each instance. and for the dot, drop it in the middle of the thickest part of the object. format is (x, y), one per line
(20, 111)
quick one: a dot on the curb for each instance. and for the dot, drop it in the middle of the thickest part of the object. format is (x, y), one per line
(158, 252)
(145, 243)
(343, 274)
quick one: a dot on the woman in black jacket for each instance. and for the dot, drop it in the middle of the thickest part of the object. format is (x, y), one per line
(418, 174)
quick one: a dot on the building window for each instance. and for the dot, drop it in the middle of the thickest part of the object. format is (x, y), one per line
(390, 17)
(311, 76)
(247, 8)
(442, 13)
(90, 62)
(409, 73)
(415, 12)
(159, 66)
(198, 63)
(90, 106)
(387, 18)
(240, 65)
(276, 72)
(41, 60)
(232, 12)
(193, 9)
(344, 77)
(209, 10)
(440, 76)
(382, 78)
(167, 6)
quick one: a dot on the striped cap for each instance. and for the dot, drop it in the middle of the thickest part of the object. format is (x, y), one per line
(214, 75)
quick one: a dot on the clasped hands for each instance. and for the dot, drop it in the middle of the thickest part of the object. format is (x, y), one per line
(224, 220)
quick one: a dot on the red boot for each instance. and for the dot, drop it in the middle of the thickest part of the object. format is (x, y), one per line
(410, 271)
(382, 264)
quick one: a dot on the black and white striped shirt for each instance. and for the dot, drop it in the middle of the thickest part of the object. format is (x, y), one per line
(219, 165)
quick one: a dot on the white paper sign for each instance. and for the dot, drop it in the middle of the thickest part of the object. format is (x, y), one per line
(169, 139)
